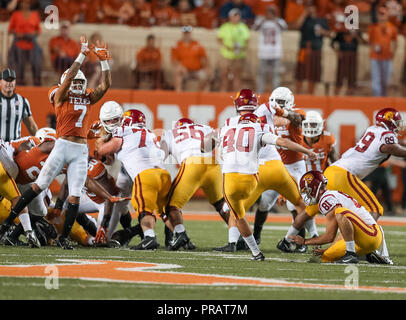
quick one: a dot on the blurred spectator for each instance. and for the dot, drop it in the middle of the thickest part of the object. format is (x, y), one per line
(345, 43)
(25, 26)
(67, 10)
(190, 61)
(383, 44)
(6, 8)
(312, 30)
(63, 49)
(247, 16)
(259, 6)
(148, 66)
(163, 13)
(233, 37)
(335, 15)
(51, 120)
(142, 14)
(184, 15)
(117, 11)
(293, 10)
(269, 47)
(403, 33)
(90, 11)
(206, 15)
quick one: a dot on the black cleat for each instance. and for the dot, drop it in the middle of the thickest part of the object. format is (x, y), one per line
(189, 246)
(259, 257)
(229, 247)
(149, 243)
(10, 241)
(168, 237)
(3, 229)
(301, 248)
(241, 244)
(285, 246)
(349, 257)
(64, 243)
(179, 240)
(375, 257)
(114, 244)
(32, 239)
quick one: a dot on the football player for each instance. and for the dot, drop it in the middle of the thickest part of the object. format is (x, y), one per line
(138, 150)
(197, 169)
(272, 174)
(240, 146)
(377, 144)
(71, 100)
(361, 234)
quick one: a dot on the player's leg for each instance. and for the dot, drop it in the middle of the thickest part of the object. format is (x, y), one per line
(77, 173)
(266, 203)
(236, 189)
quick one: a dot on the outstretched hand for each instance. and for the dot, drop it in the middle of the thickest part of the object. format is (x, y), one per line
(84, 46)
(101, 50)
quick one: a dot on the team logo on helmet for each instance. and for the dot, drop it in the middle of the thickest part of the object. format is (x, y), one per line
(308, 178)
(389, 115)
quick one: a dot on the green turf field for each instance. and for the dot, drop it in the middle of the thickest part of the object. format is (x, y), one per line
(291, 271)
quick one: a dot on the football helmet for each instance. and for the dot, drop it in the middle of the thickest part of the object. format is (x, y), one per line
(312, 186)
(246, 100)
(79, 83)
(111, 110)
(44, 133)
(182, 122)
(390, 119)
(313, 125)
(283, 97)
(248, 117)
(134, 117)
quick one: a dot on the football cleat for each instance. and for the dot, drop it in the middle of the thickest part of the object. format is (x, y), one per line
(149, 243)
(241, 244)
(189, 246)
(114, 244)
(375, 257)
(259, 257)
(168, 237)
(179, 240)
(301, 248)
(349, 257)
(285, 246)
(64, 243)
(10, 241)
(229, 247)
(32, 239)
(3, 229)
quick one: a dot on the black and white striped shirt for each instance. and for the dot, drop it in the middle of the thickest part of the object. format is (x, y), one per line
(12, 111)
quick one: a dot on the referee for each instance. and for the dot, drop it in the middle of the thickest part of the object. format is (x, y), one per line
(13, 109)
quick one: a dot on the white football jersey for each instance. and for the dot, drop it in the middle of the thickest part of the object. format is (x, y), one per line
(366, 155)
(140, 150)
(266, 113)
(186, 141)
(331, 198)
(270, 39)
(240, 145)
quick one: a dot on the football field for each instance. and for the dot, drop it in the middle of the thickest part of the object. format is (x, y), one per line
(104, 273)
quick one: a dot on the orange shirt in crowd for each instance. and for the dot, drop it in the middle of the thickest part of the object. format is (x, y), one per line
(380, 37)
(20, 25)
(184, 19)
(163, 16)
(206, 17)
(88, 9)
(67, 9)
(259, 6)
(149, 56)
(294, 9)
(68, 46)
(115, 5)
(189, 54)
(142, 15)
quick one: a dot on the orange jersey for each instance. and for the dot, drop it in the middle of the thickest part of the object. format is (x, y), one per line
(30, 163)
(72, 117)
(34, 141)
(322, 147)
(95, 170)
(294, 134)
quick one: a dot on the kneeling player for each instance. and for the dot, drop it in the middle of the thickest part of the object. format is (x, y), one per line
(359, 229)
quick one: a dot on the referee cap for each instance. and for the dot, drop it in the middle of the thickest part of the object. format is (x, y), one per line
(7, 74)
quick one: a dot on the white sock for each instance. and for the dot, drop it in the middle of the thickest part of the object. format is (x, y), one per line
(310, 226)
(149, 233)
(233, 235)
(292, 231)
(179, 228)
(350, 246)
(25, 221)
(252, 244)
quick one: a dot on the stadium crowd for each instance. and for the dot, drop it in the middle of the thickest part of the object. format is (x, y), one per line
(380, 23)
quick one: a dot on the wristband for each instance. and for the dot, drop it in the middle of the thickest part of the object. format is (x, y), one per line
(81, 57)
(285, 113)
(104, 65)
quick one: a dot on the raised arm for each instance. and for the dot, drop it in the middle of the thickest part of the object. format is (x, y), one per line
(103, 54)
(270, 138)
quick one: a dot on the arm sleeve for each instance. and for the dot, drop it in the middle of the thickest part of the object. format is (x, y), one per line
(269, 138)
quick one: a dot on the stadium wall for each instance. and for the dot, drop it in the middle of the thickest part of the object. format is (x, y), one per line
(346, 117)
